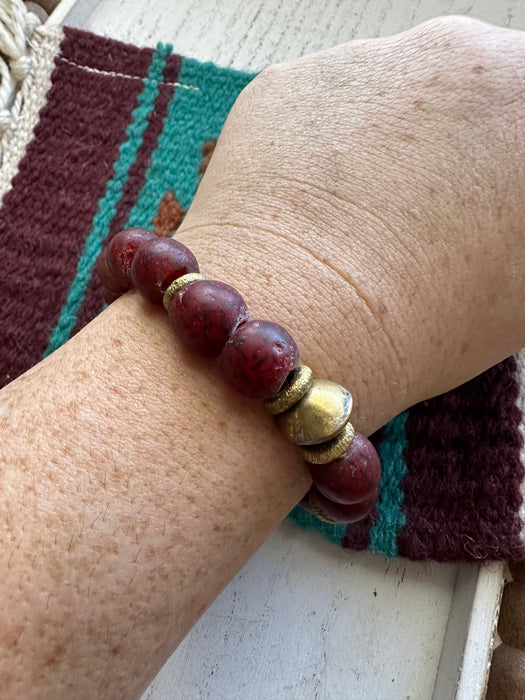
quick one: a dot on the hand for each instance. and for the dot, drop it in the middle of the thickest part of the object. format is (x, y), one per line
(371, 198)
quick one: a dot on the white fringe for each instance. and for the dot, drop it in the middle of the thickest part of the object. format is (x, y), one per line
(27, 50)
(17, 27)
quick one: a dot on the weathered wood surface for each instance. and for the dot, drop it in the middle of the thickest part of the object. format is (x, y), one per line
(251, 35)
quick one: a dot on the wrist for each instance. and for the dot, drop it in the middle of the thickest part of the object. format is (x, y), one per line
(338, 334)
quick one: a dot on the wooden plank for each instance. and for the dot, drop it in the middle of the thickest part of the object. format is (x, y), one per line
(454, 642)
(251, 35)
(306, 620)
(61, 10)
(482, 627)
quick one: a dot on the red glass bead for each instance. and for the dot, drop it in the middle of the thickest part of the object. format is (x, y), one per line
(114, 262)
(204, 314)
(157, 263)
(258, 357)
(339, 512)
(112, 287)
(352, 478)
(121, 251)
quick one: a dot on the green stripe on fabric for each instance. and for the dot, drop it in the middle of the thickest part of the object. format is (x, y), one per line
(383, 535)
(196, 114)
(335, 532)
(108, 204)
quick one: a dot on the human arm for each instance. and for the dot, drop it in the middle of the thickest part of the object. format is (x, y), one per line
(350, 268)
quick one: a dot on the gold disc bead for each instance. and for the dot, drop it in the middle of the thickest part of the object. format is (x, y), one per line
(319, 416)
(333, 449)
(300, 381)
(177, 284)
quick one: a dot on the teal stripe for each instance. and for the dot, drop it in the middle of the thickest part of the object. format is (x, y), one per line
(335, 532)
(384, 533)
(108, 204)
(196, 114)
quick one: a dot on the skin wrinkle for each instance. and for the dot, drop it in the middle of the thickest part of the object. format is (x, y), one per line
(400, 358)
(302, 310)
(369, 317)
(340, 202)
(348, 228)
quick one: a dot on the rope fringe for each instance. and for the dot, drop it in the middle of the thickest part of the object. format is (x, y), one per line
(17, 27)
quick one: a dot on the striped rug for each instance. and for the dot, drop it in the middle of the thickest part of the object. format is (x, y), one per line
(108, 135)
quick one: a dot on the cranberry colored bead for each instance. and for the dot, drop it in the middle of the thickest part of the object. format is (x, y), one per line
(205, 314)
(258, 357)
(339, 512)
(112, 287)
(121, 251)
(353, 477)
(157, 263)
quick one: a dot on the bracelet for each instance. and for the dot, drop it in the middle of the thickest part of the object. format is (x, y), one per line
(259, 359)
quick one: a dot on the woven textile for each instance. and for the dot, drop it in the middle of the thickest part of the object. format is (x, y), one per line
(108, 135)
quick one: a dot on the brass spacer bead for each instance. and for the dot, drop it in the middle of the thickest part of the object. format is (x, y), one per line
(177, 284)
(293, 393)
(333, 449)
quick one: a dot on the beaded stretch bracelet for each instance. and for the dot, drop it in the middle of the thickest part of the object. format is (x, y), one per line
(259, 359)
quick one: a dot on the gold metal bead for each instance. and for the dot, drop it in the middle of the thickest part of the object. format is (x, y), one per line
(319, 416)
(294, 391)
(322, 454)
(177, 284)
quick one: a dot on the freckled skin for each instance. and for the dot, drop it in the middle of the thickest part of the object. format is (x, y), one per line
(157, 263)
(258, 358)
(205, 314)
(353, 478)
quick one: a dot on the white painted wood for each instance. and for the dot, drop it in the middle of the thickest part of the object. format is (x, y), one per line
(470, 631)
(304, 620)
(482, 626)
(461, 606)
(251, 35)
(61, 10)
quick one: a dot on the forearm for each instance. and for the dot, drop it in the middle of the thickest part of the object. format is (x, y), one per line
(134, 486)
(136, 483)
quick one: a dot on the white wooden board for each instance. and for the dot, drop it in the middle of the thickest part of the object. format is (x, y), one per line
(252, 34)
(304, 620)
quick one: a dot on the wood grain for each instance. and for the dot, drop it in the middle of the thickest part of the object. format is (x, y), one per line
(252, 35)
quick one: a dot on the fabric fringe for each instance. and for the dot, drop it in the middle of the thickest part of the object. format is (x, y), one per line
(27, 50)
